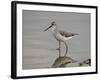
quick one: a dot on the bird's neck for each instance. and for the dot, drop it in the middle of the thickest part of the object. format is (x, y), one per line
(54, 28)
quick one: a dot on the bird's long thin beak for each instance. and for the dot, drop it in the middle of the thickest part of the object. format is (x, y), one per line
(48, 28)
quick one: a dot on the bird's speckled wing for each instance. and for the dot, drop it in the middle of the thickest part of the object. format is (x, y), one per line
(66, 34)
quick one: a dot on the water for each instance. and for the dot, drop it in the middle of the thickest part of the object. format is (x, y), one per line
(39, 48)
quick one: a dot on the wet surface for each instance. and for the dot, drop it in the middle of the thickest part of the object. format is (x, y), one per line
(39, 48)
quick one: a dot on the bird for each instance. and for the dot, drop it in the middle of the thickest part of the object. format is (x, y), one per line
(60, 35)
(62, 61)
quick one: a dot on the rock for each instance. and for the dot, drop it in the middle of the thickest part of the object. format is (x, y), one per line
(62, 61)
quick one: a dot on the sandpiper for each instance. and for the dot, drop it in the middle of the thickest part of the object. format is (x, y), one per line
(60, 36)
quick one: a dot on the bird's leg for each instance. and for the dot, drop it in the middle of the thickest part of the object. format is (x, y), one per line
(66, 48)
(59, 48)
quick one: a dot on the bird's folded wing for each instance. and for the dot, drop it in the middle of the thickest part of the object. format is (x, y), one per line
(66, 34)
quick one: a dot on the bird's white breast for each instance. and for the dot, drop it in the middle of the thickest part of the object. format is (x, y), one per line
(54, 28)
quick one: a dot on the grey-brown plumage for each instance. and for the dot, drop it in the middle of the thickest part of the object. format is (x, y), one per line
(67, 34)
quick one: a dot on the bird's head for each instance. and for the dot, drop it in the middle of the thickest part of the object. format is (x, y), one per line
(51, 26)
